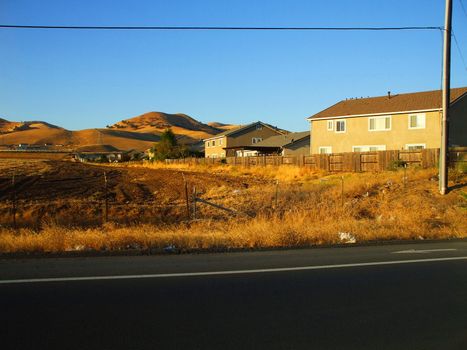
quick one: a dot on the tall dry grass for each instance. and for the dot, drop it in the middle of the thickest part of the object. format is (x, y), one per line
(310, 210)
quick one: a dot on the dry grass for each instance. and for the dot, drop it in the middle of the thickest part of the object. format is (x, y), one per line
(310, 210)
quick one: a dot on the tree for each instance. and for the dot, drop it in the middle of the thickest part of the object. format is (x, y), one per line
(167, 147)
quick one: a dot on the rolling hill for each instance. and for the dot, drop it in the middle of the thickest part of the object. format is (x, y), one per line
(138, 133)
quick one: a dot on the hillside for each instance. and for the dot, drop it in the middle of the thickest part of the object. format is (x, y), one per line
(156, 122)
(137, 133)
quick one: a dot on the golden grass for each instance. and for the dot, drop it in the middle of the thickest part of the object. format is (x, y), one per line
(309, 211)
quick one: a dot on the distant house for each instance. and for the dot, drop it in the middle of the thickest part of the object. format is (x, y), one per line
(290, 144)
(393, 122)
(233, 142)
(100, 153)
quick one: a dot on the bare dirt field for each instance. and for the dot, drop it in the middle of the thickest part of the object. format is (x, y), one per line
(73, 193)
(60, 206)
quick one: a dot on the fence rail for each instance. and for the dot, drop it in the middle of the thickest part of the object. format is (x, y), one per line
(348, 162)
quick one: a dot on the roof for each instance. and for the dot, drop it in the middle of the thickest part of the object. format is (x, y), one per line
(416, 101)
(241, 128)
(282, 140)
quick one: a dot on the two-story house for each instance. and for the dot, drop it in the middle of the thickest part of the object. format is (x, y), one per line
(231, 142)
(393, 122)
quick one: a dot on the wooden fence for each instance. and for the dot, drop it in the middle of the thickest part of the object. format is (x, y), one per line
(349, 162)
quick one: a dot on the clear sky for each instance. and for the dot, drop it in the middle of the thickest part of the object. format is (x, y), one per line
(88, 79)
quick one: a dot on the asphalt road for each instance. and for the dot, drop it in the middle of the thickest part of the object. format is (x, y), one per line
(410, 296)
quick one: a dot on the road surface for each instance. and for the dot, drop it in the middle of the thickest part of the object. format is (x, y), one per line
(410, 296)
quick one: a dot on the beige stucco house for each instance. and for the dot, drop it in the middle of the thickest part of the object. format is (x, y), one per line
(393, 122)
(232, 142)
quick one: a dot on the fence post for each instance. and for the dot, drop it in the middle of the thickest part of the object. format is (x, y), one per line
(194, 202)
(14, 202)
(106, 199)
(277, 194)
(186, 198)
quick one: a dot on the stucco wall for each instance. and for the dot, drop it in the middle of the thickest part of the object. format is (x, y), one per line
(299, 148)
(458, 123)
(241, 139)
(357, 134)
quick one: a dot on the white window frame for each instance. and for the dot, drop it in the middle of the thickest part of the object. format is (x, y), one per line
(382, 148)
(423, 115)
(408, 145)
(220, 142)
(256, 140)
(213, 143)
(345, 126)
(380, 117)
(327, 149)
(330, 125)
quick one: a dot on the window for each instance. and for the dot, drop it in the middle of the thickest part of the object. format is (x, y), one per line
(368, 148)
(256, 140)
(415, 146)
(220, 142)
(379, 123)
(330, 125)
(259, 127)
(340, 125)
(325, 150)
(417, 121)
(213, 143)
(208, 144)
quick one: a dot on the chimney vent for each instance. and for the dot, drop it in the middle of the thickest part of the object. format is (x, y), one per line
(389, 94)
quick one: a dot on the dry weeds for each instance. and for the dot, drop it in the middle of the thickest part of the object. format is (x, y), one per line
(310, 210)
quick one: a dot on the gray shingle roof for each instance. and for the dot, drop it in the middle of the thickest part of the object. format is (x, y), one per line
(282, 140)
(425, 100)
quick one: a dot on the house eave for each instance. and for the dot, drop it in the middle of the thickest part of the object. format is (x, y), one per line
(373, 114)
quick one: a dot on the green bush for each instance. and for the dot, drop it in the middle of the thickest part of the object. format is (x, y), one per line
(397, 164)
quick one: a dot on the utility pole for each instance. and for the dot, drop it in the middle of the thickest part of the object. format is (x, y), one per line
(444, 151)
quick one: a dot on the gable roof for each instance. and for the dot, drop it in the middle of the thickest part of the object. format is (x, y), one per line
(283, 140)
(416, 101)
(242, 128)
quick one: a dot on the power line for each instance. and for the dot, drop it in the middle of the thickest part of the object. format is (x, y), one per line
(14, 26)
(463, 8)
(459, 50)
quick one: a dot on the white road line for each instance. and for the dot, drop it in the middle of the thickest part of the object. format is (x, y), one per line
(422, 251)
(227, 272)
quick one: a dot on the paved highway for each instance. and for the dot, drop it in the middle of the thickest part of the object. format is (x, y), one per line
(411, 296)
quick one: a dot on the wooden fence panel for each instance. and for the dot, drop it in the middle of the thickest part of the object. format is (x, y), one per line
(351, 161)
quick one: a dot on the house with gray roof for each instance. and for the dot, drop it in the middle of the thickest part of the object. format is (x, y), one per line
(233, 142)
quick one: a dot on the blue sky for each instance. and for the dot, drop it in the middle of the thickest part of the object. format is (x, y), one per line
(88, 79)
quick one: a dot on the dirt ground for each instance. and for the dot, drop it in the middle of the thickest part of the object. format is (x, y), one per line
(73, 192)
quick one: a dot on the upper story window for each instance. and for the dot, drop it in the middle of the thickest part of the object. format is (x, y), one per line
(379, 123)
(340, 125)
(259, 127)
(213, 143)
(330, 124)
(208, 144)
(256, 140)
(417, 121)
(220, 141)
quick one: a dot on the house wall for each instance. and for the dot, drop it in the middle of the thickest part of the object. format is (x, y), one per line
(216, 151)
(458, 123)
(299, 148)
(357, 133)
(242, 138)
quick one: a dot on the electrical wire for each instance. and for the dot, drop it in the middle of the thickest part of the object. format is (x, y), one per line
(14, 26)
(463, 8)
(459, 50)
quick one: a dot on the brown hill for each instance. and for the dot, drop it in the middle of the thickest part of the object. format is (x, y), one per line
(157, 122)
(138, 133)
